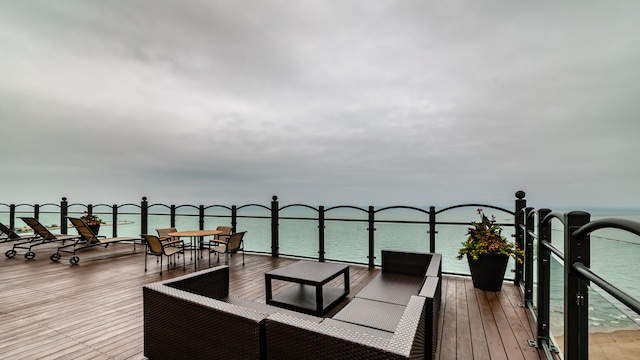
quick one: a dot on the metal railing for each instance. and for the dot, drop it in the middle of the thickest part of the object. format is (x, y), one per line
(369, 217)
(575, 257)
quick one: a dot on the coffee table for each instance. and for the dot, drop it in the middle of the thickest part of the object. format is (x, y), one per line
(311, 296)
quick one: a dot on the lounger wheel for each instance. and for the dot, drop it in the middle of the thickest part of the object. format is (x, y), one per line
(74, 260)
(10, 253)
(55, 257)
(29, 255)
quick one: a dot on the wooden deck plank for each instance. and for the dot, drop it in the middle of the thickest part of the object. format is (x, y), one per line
(448, 337)
(494, 341)
(463, 338)
(476, 327)
(94, 310)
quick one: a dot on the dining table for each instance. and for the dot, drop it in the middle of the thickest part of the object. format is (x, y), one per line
(194, 244)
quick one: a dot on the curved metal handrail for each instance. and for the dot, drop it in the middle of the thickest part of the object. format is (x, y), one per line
(403, 207)
(608, 223)
(553, 215)
(301, 205)
(345, 207)
(622, 296)
(480, 205)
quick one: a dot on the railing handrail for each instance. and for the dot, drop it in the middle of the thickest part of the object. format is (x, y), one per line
(611, 289)
(608, 223)
(576, 257)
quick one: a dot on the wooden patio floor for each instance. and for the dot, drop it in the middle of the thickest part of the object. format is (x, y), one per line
(94, 310)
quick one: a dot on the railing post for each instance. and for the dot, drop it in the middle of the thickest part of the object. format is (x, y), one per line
(234, 218)
(544, 278)
(275, 243)
(432, 229)
(321, 227)
(576, 299)
(12, 216)
(201, 218)
(144, 215)
(372, 229)
(172, 216)
(521, 203)
(114, 220)
(36, 211)
(528, 257)
(64, 212)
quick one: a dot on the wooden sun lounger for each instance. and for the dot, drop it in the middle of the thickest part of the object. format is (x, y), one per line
(44, 237)
(88, 240)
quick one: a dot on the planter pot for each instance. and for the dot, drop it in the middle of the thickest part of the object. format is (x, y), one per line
(488, 271)
(94, 228)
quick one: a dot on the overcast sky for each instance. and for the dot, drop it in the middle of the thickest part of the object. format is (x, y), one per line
(320, 102)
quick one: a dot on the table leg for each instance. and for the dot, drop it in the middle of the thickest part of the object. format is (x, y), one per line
(267, 286)
(319, 299)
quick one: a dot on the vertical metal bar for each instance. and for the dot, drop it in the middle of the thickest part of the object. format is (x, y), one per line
(172, 215)
(544, 278)
(321, 251)
(275, 243)
(234, 218)
(576, 305)
(64, 212)
(90, 209)
(144, 215)
(12, 216)
(36, 211)
(372, 229)
(201, 217)
(432, 229)
(521, 203)
(114, 219)
(529, 257)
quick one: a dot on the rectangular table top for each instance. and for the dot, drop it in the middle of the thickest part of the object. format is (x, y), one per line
(311, 271)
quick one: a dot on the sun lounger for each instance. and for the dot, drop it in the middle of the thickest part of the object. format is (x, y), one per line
(88, 240)
(12, 236)
(44, 237)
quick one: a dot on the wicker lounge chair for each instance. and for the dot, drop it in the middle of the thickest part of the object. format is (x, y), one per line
(12, 236)
(87, 240)
(158, 248)
(44, 237)
(232, 245)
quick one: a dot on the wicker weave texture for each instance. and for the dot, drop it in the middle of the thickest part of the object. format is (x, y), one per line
(213, 283)
(292, 338)
(194, 327)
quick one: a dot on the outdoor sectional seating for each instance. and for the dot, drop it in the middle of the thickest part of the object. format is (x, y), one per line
(201, 320)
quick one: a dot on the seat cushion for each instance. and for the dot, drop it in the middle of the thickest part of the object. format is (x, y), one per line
(392, 288)
(371, 313)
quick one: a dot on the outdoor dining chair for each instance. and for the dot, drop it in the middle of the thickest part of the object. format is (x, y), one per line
(232, 245)
(163, 234)
(222, 238)
(159, 249)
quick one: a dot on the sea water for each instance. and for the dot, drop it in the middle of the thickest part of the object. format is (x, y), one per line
(615, 253)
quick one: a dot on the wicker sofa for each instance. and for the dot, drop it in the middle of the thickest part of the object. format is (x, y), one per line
(394, 317)
(194, 317)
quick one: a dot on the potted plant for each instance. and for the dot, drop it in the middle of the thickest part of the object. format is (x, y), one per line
(92, 221)
(488, 253)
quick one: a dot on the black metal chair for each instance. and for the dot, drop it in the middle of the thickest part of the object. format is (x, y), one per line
(233, 244)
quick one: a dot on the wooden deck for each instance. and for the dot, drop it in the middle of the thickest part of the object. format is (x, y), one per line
(94, 310)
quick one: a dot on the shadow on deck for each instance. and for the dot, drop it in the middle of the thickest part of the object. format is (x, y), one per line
(94, 310)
